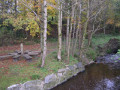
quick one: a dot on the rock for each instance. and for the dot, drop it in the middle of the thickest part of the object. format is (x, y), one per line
(50, 81)
(27, 57)
(61, 70)
(33, 85)
(91, 62)
(5, 57)
(13, 54)
(75, 66)
(32, 53)
(39, 52)
(71, 68)
(60, 74)
(27, 51)
(79, 65)
(14, 87)
(16, 57)
(50, 78)
(17, 51)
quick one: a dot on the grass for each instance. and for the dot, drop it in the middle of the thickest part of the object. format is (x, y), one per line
(102, 38)
(29, 71)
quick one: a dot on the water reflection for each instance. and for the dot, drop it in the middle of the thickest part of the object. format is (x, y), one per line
(96, 77)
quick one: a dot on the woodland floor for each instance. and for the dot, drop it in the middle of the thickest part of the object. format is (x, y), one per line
(14, 72)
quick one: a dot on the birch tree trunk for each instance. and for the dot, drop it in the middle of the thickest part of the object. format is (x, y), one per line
(44, 34)
(67, 31)
(80, 30)
(84, 32)
(69, 42)
(59, 31)
(73, 36)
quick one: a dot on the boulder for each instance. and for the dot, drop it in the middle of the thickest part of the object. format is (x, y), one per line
(110, 47)
(50, 78)
(16, 57)
(50, 81)
(27, 57)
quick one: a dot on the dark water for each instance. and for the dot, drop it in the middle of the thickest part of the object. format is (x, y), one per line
(96, 77)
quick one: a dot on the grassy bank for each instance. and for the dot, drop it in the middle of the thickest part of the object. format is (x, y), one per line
(101, 39)
(23, 71)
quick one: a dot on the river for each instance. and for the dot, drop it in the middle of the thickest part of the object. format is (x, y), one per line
(97, 76)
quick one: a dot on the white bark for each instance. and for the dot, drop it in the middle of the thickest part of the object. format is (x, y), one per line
(73, 34)
(67, 31)
(59, 31)
(44, 34)
(71, 27)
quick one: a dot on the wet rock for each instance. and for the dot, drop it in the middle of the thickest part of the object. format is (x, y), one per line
(112, 60)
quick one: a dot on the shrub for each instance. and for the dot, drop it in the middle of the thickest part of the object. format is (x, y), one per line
(91, 53)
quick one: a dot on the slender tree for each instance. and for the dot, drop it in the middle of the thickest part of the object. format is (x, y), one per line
(44, 34)
(59, 30)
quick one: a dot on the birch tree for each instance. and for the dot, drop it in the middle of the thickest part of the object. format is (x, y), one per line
(59, 30)
(44, 34)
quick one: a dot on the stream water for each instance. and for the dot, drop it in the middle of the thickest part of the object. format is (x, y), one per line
(96, 77)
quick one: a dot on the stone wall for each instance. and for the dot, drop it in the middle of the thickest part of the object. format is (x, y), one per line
(52, 80)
